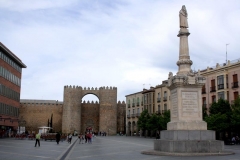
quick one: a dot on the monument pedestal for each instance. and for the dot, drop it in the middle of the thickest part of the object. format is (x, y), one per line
(184, 125)
(188, 141)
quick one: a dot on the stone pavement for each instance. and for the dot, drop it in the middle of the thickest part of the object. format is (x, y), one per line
(102, 148)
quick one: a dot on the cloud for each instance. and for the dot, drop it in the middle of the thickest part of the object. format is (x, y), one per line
(117, 43)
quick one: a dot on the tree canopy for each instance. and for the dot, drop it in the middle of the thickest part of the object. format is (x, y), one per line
(223, 116)
(154, 121)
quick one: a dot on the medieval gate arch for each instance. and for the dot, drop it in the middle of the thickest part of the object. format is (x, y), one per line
(72, 102)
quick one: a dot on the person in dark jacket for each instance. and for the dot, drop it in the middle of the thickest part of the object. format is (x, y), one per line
(58, 136)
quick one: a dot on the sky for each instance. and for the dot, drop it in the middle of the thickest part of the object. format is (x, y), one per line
(128, 44)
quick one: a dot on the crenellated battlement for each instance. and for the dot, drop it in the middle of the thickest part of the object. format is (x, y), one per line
(88, 102)
(123, 102)
(90, 89)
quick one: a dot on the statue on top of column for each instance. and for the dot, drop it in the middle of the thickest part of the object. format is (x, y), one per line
(183, 17)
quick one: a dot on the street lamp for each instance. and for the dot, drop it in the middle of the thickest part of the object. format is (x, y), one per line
(226, 53)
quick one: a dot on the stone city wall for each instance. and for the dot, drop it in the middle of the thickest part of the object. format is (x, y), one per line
(37, 112)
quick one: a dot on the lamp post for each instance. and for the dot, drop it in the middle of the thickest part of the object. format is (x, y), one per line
(226, 53)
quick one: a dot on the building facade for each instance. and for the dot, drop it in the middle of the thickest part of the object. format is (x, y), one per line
(10, 87)
(155, 100)
(221, 82)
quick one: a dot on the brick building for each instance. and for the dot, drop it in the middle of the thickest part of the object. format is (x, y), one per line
(10, 87)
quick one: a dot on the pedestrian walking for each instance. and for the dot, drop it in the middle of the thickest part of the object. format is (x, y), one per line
(233, 140)
(38, 136)
(70, 138)
(58, 136)
(86, 137)
(81, 138)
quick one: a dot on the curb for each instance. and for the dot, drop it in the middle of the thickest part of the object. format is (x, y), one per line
(159, 153)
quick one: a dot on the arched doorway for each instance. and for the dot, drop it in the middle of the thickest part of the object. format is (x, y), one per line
(90, 113)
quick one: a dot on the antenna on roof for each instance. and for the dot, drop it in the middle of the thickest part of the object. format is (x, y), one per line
(226, 53)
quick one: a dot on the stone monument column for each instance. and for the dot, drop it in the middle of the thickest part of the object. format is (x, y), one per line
(185, 87)
(186, 132)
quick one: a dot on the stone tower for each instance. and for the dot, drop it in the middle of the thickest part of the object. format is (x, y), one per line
(71, 119)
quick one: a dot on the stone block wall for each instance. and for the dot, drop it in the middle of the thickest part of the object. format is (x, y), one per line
(108, 110)
(121, 117)
(89, 116)
(36, 114)
(71, 109)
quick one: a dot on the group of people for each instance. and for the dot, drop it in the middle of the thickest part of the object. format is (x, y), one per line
(102, 133)
(88, 137)
(235, 140)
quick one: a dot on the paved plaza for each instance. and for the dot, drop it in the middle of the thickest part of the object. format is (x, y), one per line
(102, 148)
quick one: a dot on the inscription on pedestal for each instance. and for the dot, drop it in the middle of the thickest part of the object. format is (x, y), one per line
(174, 104)
(190, 104)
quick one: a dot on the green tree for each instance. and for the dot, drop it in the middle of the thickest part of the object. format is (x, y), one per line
(153, 122)
(142, 120)
(165, 119)
(204, 112)
(219, 118)
(235, 116)
(217, 122)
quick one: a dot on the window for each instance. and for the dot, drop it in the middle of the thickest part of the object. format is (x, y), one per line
(220, 82)
(128, 112)
(138, 111)
(165, 96)
(213, 98)
(145, 98)
(235, 95)
(165, 107)
(204, 102)
(203, 89)
(133, 111)
(235, 81)
(159, 97)
(213, 87)
(220, 95)
(150, 100)
(10, 62)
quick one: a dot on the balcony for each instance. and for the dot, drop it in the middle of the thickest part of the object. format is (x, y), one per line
(138, 114)
(137, 103)
(235, 85)
(128, 116)
(204, 91)
(128, 105)
(220, 86)
(133, 115)
(158, 99)
(133, 104)
(213, 89)
(164, 98)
